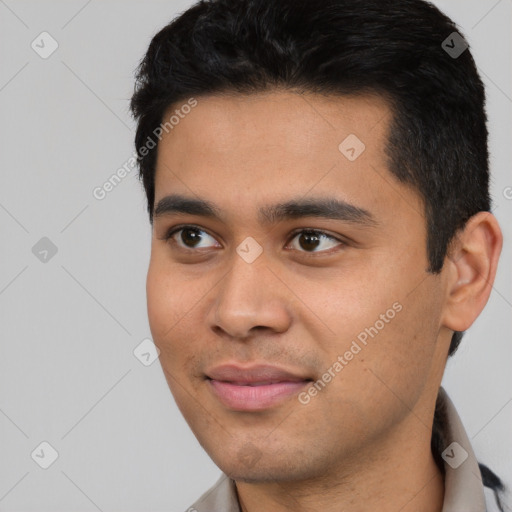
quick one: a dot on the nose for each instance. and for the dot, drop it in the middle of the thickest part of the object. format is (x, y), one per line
(250, 298)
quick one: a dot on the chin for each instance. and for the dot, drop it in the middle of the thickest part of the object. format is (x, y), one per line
(267, 468)
(258, 475)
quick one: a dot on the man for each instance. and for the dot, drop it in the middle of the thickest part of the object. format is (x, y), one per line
(317, 181)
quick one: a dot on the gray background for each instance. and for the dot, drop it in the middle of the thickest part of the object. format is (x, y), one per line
(69, 325)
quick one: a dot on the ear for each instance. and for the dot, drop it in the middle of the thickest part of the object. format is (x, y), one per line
(471, 266)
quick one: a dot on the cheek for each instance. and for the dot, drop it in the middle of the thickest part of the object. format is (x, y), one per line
(165, 305)
(345, 306)
(160, 303)
(170, 295)
(401, 355)
(173, 303)
(386, 321)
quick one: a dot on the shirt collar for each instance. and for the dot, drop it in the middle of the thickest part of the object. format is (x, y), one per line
(463, 488)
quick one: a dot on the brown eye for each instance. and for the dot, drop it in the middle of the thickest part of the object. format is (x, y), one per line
(190, 237)
(310, 240)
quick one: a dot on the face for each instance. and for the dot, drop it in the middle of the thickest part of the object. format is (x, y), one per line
(287, 289)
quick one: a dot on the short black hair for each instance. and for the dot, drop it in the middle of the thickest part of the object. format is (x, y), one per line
(398, 49)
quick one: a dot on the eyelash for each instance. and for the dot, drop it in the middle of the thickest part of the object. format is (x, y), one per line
(176, 229)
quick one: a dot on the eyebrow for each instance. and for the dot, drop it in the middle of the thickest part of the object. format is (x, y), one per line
(323, 207)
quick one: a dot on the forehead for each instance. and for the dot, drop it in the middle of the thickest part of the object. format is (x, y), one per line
(242, 150)
(220, 122)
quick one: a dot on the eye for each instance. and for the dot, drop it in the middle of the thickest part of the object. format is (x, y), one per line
(190, 237)
(309, 240)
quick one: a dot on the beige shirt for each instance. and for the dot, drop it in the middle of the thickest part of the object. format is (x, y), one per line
(464, 490)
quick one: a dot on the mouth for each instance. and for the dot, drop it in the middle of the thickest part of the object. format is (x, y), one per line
(254, 388)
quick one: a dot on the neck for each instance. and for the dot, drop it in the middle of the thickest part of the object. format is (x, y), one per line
(397, 474)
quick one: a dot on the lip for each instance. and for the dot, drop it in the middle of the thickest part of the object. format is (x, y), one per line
(254, 388)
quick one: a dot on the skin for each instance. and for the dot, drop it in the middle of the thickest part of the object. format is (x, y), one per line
(364, 440)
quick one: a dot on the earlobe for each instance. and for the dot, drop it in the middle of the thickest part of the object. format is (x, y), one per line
(471, 268)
